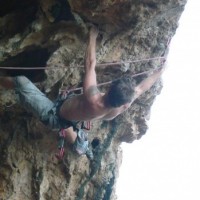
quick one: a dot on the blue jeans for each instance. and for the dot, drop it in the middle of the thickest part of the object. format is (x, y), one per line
(36, 102)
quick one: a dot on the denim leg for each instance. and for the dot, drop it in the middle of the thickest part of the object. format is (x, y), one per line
(31, 98)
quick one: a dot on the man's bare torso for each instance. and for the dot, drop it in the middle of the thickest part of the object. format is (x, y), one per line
(78, 108)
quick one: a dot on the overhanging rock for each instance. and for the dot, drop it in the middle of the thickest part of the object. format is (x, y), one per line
(52, 34)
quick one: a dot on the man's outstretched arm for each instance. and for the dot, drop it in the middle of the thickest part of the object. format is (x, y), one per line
(147, 83)
(90, 83)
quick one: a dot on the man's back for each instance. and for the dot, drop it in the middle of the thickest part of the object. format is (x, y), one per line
(79, 108)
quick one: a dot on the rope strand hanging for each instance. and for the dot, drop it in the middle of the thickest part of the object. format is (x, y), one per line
(98, 65)
(108, 82)
(162, 58)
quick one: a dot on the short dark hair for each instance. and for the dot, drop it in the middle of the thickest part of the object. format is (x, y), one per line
(120, 92)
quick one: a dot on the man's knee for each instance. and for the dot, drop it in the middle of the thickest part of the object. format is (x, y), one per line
(21, 80)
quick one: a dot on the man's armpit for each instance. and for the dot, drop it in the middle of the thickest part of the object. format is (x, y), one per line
(93, 90)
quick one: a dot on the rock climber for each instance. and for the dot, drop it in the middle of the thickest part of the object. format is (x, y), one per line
(91, 105)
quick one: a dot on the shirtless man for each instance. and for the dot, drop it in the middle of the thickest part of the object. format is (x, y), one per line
(91, 105)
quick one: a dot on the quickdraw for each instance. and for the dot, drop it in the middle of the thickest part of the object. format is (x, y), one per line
(86, 125)
(61, 143)
(62, 136)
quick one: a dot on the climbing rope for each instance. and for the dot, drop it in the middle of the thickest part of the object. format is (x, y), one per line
(131, 61)
(106, 83)
(98, 65)
(162, 58)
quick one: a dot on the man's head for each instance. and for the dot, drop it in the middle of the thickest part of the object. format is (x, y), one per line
(120, 92)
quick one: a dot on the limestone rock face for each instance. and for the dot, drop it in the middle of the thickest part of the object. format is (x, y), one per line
(51, 36)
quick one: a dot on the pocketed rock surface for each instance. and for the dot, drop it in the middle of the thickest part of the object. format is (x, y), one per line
(53, 34)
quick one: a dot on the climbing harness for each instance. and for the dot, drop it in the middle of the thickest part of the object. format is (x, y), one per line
(81, 144)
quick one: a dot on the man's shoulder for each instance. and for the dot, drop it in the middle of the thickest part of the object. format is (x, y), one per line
(93, 94)
(93, 91)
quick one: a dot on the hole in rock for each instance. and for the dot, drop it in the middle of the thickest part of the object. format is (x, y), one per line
(32, 58)
(62, 11)
(152, 5)
(16, 16)
(7, 7)
(95, 142)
